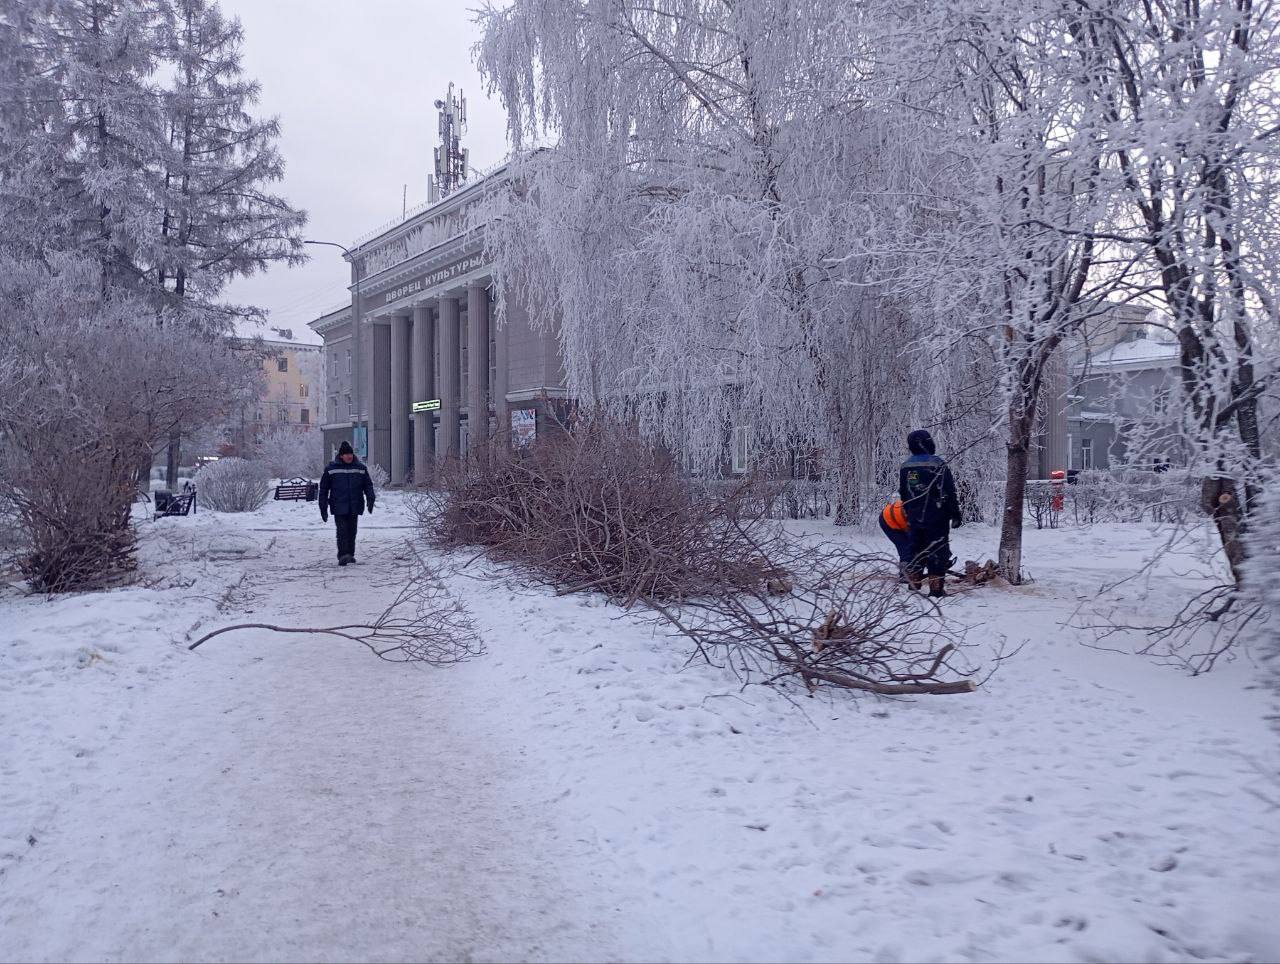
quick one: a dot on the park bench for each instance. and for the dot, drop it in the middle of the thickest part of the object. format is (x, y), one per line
(297, 490)
(167, 503)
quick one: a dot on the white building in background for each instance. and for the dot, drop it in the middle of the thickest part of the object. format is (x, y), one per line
(1121, 399)
(424, 367)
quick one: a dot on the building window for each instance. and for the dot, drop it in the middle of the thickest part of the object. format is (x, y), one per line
(333, 408)
(741, 448)
(282, 414)
(351, 409)
(333, 364)
(282, 364)
(257, 415)
(305, 416)
(348, 361)
(1086, 453)
(303, 390)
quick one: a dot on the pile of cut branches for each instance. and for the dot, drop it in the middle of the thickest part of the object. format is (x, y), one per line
(599, 509)
(841, 621)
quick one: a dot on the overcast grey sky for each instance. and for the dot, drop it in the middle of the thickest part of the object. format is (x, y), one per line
(353, 85)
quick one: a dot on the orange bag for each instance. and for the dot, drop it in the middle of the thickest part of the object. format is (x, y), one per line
(895, 517)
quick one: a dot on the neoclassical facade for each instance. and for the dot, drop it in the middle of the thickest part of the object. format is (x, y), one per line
(431, 371)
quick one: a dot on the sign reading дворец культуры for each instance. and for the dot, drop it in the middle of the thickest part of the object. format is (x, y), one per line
(433, 278)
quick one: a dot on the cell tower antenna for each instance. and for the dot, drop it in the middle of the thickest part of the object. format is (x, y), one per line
(451, 156)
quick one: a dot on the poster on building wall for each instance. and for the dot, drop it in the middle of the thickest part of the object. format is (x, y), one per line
(360, 441)
(524, 426)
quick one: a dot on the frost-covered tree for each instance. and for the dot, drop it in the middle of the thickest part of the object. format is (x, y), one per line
(698, 232)
(1193, 102)
(1262, 572)
(84, 134)
(128, 142)
(289, 451)
(1006, 101)
(219, 219)
(72, 427)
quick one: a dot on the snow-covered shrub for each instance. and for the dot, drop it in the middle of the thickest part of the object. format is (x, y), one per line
(233, 485)
(378, 476)
(289, 452)
(599, 509)
(77, 433)
(1094, 496)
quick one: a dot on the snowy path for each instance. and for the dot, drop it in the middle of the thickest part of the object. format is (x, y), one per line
(290, 799)
(579, 794)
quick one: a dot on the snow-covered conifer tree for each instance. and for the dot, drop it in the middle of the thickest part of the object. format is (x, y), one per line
(219, 218)
(81, 165)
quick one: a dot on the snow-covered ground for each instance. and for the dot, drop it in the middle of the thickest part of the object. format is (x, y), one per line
(578, 793)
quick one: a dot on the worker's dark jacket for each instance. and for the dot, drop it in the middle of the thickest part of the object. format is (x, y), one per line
(344, 488)
(928, 492)
(927, 489)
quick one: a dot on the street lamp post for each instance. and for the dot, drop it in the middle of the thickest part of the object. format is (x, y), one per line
(357, 381)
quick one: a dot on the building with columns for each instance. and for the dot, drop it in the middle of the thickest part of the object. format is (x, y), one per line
(430, 371)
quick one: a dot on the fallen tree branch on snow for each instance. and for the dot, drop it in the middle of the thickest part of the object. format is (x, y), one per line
(837, 619)
(425, 623)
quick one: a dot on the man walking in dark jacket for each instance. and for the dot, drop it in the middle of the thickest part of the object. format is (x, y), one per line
(929, 498)
(345, 487)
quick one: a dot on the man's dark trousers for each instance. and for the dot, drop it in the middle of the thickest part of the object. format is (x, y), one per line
(931, 549)
(346, 526)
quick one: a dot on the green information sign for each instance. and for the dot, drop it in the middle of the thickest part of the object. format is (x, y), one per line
(430, 405)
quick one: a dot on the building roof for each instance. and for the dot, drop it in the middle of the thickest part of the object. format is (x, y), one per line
(275, 343)
(431, 209)
(330, 319)
(1139, 354)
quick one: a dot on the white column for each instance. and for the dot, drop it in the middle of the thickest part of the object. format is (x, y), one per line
(423, 388)
(501, 381)
(449, 378)
(399, 398)
(477, 365)
(379, 395)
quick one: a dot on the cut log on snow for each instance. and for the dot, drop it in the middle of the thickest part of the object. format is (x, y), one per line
(942, 688)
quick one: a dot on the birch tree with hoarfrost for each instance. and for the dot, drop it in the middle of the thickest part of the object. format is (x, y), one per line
(1007, 100)
(1193, 112)
(698, 232)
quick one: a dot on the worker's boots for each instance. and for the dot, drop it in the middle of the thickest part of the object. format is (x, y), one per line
(938, 586)
(914, 580)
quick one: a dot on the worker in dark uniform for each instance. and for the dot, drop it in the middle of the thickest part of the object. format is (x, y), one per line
(345, 488)
(929, 498)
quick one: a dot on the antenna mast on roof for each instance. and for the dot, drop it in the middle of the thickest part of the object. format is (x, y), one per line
(451, 156)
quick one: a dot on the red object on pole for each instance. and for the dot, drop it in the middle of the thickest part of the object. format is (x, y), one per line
(1057, 477)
